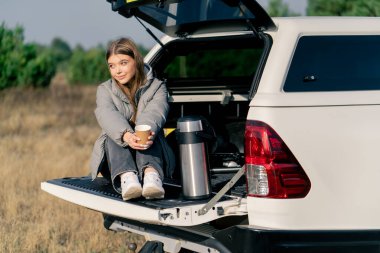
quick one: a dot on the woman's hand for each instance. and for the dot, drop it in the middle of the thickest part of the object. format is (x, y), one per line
(132, 140)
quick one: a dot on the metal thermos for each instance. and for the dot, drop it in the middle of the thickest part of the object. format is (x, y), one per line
(193, 158)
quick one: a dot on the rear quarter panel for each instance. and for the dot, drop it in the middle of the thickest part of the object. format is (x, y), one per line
(335, 137)
(338, 147)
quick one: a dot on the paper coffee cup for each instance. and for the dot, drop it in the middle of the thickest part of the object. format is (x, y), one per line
(143, 132)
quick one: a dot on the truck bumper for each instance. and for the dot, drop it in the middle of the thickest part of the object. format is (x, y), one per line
(247, 239)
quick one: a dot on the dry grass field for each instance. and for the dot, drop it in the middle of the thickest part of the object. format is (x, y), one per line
(46, 134)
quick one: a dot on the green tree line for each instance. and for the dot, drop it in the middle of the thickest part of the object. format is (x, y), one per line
(370, 8)
(23, 64)
(34, 65)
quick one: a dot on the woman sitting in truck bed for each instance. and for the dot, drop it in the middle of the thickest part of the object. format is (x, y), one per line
(131, 97)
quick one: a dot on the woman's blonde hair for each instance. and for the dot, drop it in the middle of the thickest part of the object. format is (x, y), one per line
(128, 47)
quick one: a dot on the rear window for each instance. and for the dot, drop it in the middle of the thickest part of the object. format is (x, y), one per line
(335, 63)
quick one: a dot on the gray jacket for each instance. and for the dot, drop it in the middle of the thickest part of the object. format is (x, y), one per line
(113, 111)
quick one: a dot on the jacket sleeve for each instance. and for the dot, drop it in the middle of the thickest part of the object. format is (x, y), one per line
(113, 123)
(156, 108)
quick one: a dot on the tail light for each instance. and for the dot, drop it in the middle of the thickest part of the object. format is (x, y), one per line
(272, 171)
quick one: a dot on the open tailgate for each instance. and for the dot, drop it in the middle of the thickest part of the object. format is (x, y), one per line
(173, 210)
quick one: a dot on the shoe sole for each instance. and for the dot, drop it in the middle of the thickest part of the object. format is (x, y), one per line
(152, 193)
(132, 193)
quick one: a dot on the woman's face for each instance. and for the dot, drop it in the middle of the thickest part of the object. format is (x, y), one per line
(122, 67)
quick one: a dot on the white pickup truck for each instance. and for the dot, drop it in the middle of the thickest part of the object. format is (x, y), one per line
(294, 104)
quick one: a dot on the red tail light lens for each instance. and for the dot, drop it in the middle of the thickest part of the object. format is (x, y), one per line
(272, 170)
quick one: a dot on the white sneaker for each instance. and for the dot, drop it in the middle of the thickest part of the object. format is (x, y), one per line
(152, 188)
(130, 186)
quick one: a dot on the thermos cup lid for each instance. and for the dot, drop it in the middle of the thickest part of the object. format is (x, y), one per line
(189, 124)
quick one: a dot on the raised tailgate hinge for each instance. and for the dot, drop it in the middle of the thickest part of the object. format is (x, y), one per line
(182, 35)
(221, 193)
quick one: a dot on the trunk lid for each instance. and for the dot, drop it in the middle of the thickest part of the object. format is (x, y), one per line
(187, 17)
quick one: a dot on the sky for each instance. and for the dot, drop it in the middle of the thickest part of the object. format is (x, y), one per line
(85, 22)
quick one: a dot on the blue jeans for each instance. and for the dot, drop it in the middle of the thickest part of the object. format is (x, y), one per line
(121, 160)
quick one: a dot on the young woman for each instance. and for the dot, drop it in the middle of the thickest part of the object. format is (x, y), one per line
(131, 97)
